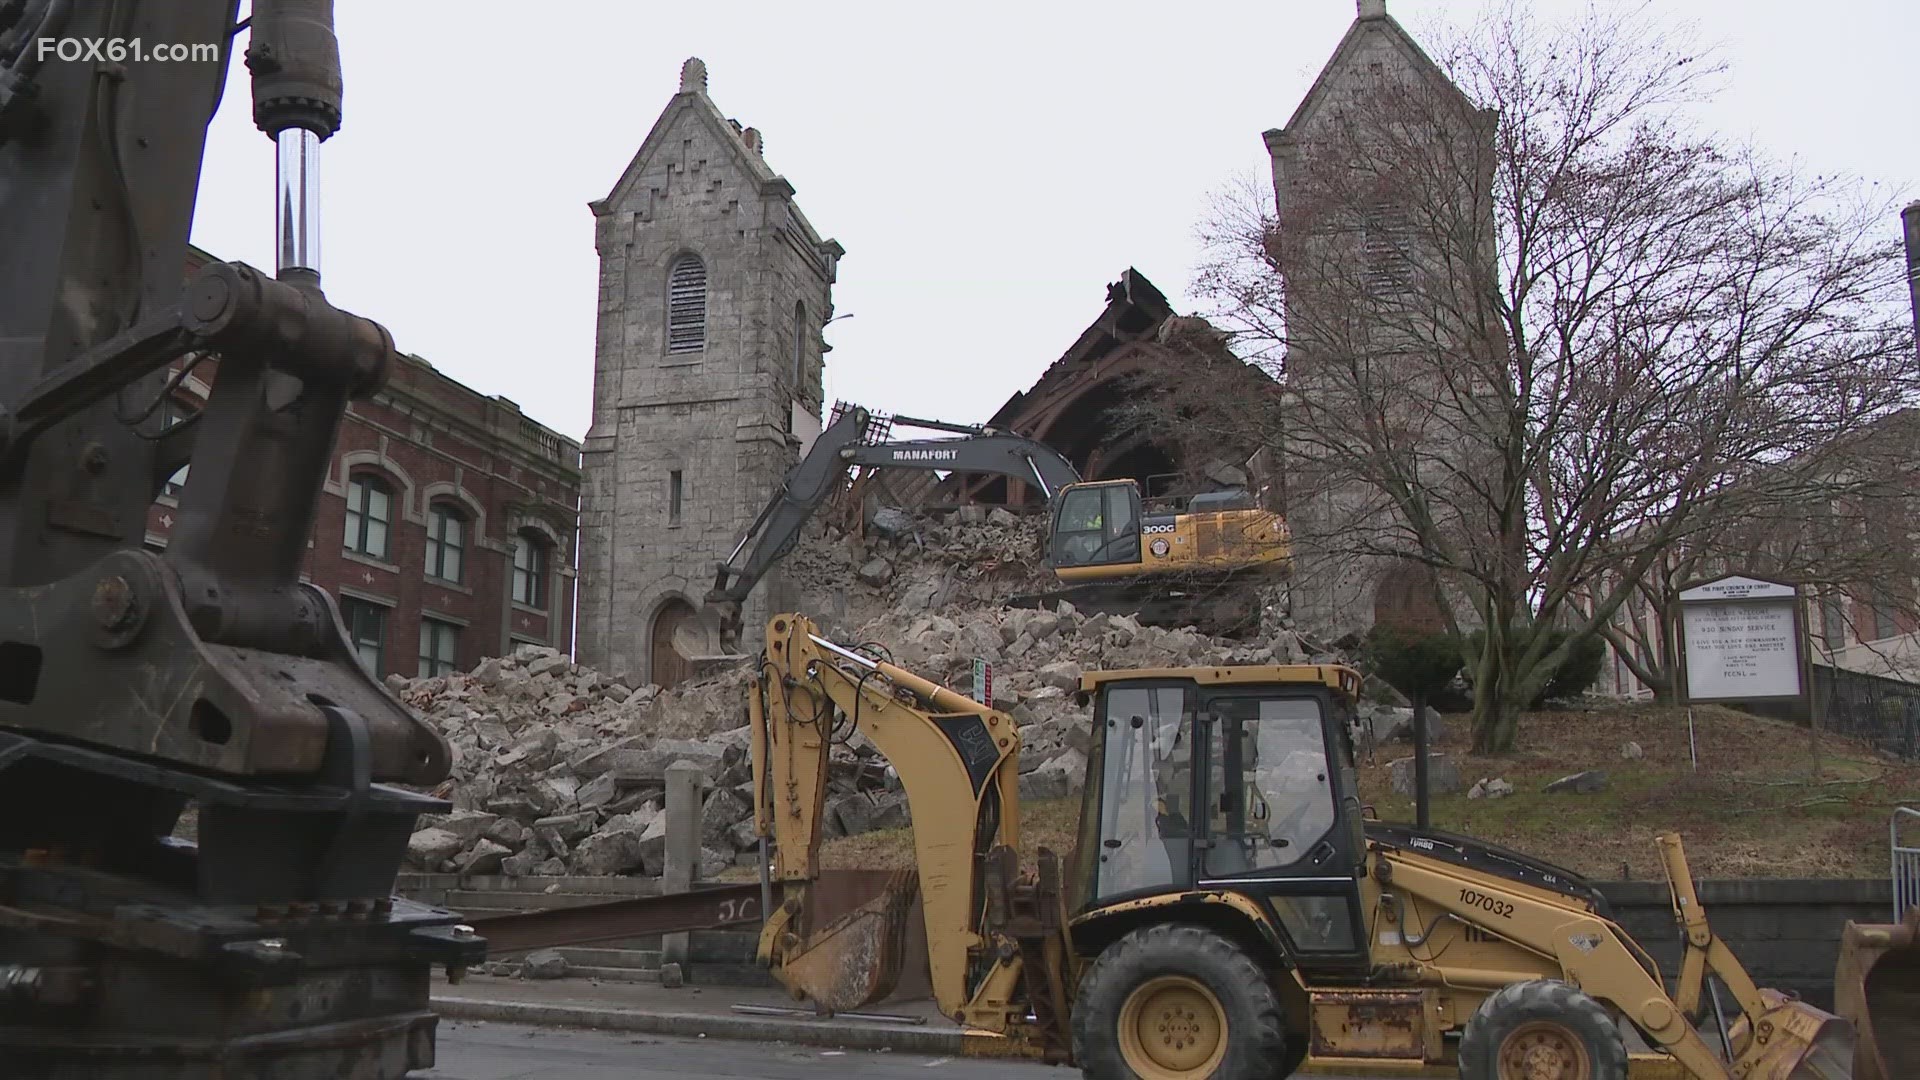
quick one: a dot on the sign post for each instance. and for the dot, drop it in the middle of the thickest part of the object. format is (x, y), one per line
(1743, 638)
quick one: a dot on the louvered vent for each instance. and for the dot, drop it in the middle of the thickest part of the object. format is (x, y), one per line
(687, 305)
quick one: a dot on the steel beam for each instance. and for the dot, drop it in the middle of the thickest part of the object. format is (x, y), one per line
(706, 908)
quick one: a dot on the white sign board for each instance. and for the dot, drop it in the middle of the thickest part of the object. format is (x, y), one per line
(1737, 588)
(1741, 650)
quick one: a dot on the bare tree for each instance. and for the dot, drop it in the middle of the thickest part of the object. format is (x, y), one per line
(1847, 537)
(1539, 333)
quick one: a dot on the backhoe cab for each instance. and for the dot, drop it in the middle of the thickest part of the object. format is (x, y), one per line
(1229, 909)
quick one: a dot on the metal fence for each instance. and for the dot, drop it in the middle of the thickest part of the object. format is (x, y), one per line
(1905, 841)
(1885, 712)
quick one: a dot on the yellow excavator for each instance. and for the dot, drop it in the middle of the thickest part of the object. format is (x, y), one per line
(1106, 548)
(1230, 910)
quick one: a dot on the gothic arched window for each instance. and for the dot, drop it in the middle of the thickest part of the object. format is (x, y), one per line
(687, 305)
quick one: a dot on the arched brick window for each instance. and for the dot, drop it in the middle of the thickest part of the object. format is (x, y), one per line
(530, 570)
(446, 542)
(369, 515)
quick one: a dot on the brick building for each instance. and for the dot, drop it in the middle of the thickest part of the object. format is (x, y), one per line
(446, 528)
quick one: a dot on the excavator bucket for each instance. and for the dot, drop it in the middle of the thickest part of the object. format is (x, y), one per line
(1799, 1041)
(855, 960)
(1876, 986)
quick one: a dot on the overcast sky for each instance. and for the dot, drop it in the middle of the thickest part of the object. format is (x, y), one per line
(988, 166)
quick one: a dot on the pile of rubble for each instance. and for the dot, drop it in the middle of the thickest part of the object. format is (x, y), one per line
(561, 770)
(919, 563)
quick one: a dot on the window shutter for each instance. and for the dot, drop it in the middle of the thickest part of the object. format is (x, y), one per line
(687, 305)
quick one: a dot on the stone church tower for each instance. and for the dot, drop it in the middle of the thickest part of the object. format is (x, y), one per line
(1368, 258)
(707, 380)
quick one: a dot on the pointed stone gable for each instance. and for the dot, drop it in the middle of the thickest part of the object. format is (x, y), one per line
(1375, 40)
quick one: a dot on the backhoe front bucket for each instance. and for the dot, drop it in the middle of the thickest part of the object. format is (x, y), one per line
(855, 960)
(1798, 1041)
(1876, 986)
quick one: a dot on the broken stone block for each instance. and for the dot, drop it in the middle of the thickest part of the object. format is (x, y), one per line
(744, 836)
(890, 812)
(854, 813)
(554, 663)
(520, 865)
(1580, 783)
(557, 791)
(544, 964)
(1062, 675)
(512, 806)
(551, 839)
(600, 760)
(485, 858)
(1443, 776)
(1632, 751)
(1043, 785)
(551, 868)
(467, 825)
(721, 811)
(508, 833)
(876, 572)
(608, 852)
(653, 847)
(888, 521)
(430, 847)
(596, 792)
(568, 827)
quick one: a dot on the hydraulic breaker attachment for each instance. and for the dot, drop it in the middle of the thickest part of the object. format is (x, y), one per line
(1876, 986)
(853, 961)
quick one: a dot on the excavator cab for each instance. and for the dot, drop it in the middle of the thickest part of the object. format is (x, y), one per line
(1096, 525)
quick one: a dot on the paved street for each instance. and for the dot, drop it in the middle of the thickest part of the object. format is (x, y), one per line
(494, 1051)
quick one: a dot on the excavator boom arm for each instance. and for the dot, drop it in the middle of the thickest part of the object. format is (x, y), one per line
(820, 473)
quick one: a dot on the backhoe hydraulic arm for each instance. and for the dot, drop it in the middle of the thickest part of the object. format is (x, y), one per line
(958, 761)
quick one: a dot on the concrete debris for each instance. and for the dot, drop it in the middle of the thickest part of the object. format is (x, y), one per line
(559, 769)
(1490, 789)
(544, 964)
(1632, 752)
(1443, 776)
(1580, 783)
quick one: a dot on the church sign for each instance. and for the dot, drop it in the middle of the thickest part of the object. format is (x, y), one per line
(1742, 639)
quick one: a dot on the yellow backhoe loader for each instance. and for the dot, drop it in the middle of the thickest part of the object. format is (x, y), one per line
(1229, 911)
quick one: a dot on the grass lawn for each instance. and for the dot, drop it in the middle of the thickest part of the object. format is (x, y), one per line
(1764, 801)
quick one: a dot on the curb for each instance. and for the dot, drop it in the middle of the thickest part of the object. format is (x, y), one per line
(832, 1034)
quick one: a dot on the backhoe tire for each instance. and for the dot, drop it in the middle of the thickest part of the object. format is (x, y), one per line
(1178, 1002)
(1542, 1030)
